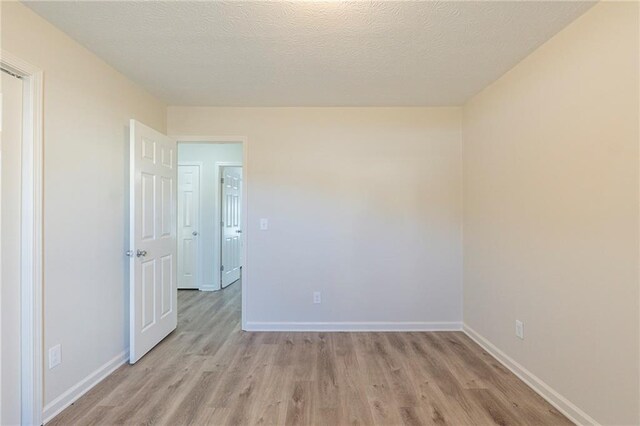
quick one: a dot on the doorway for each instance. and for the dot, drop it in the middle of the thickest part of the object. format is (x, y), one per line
(209, 228)
(11, 170)
(153, 228)
(21, 316)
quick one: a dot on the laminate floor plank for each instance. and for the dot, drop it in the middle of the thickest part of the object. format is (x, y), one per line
(210, 372)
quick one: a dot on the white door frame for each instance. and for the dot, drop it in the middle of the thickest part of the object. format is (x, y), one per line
(199, 263)
(31, 282)
(218, 217)
(245, 210)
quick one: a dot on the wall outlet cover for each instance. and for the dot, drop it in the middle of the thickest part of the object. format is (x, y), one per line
(55, 356)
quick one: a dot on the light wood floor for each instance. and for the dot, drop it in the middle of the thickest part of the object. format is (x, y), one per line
(210, 372)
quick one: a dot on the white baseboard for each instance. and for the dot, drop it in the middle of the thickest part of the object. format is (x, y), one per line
(204, 287)
(353, 326)
(76, 391)
(210, 287)
(563, 405)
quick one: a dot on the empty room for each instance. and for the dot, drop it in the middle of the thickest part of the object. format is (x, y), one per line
(320, 212)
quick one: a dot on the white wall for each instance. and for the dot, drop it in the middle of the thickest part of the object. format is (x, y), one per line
(364, 205)
(11, 90)
(551, 213)
(87, 105)
(209, 154)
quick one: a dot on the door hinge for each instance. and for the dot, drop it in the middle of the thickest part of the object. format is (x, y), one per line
(222, 267)
(221, 180)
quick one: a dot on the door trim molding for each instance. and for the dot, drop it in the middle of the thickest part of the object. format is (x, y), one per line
(355, 326)
(31, 283)
(245, 205)
(199, 256)
(218, 216)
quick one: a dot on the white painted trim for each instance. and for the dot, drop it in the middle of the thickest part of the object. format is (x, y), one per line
(554, 398)
(245, 205)
(31, 237)
(199, 260)
(218, 217)
(353, 326)
(56, 406)
(245, 221)
(209, 287)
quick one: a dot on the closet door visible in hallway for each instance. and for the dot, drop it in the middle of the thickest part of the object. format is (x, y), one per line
(188, 226)
(231, 253)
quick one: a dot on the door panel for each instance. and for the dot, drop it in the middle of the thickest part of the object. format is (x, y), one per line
(167, 290)
(148, 206)
(153, 295)
(231, 244)
(188, 226)
(166, 219)
(148, 296)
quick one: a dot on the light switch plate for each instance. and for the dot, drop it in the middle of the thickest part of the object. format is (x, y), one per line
(264, 224)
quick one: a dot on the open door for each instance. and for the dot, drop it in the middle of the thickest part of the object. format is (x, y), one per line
(152, 213)
(231, 244)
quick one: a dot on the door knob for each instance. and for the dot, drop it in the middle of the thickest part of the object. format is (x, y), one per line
(194, 233)
(239, 231)
(141, 253)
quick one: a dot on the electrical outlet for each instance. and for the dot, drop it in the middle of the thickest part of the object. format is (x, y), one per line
(55, 356)
(264, 224)
(316, 297)
(519, 329)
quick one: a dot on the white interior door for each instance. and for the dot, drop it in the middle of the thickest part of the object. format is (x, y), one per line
(188, 226)
(231, 244)
(153, 294)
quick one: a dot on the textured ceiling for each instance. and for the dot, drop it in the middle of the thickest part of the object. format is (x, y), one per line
(275, 53)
